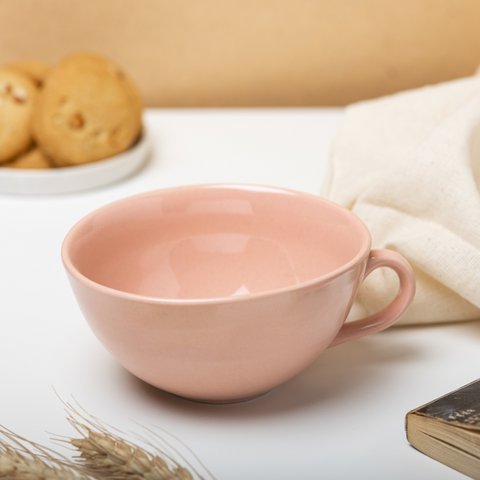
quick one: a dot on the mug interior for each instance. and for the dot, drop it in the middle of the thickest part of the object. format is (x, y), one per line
(216, 241)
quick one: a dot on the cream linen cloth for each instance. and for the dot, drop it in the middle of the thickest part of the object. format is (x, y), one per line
(409, 166)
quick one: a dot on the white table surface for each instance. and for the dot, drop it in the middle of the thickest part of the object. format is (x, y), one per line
(342, 418)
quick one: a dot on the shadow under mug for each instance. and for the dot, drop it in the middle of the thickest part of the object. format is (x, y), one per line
(219, 293)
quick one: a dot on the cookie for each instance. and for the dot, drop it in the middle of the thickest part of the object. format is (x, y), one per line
(88, 110)
(34, 158)
(37, 71)
(18, 95)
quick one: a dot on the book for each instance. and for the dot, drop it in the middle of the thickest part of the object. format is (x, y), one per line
(448, 429)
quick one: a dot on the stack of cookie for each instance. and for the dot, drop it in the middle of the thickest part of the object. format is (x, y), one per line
(82, 110)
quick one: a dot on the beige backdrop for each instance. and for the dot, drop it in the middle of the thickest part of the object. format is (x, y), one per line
(255, 52)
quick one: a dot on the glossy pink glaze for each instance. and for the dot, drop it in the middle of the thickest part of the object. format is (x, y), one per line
(222, 292)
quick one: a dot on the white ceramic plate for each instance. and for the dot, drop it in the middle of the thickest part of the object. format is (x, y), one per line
(74, 179)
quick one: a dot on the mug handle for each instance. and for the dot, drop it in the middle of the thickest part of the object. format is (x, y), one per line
(390, 314)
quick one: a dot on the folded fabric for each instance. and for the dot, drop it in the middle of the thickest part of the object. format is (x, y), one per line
(409, 166)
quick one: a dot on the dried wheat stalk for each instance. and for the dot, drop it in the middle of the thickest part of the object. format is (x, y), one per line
(18, 462)
(109, 456)
(114, 458)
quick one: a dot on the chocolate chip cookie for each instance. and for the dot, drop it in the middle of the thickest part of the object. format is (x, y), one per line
(88, 110)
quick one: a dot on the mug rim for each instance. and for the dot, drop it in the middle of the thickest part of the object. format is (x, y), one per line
(362, 254)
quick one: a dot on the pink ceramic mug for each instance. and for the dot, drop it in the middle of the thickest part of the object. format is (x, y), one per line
(219, 293)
